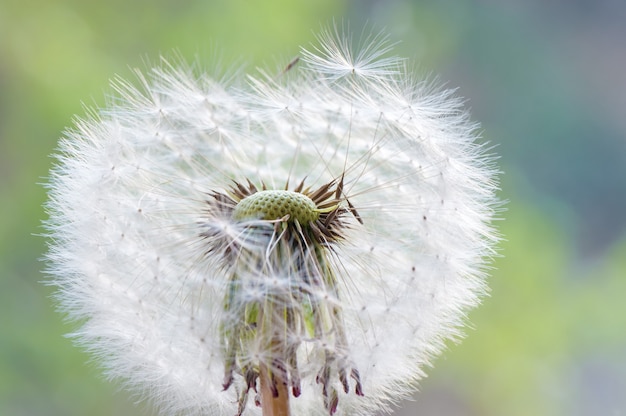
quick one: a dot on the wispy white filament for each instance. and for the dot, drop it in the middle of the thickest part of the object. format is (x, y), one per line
(128, 209)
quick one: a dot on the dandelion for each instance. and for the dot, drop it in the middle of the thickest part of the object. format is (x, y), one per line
(306, 242)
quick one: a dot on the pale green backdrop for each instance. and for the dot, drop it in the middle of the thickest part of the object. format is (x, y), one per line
(546, 79)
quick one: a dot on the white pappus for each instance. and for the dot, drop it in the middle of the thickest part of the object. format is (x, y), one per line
(327, 228)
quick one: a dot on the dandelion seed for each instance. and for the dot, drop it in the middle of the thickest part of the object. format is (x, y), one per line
(312, 238)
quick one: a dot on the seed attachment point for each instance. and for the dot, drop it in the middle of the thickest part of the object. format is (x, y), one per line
(277, 204)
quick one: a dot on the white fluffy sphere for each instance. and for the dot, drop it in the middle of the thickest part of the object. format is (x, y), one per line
(152, 289)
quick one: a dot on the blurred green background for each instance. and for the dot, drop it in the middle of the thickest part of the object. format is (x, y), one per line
(546, 79)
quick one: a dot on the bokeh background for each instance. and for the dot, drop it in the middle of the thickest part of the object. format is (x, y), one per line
(547, 79)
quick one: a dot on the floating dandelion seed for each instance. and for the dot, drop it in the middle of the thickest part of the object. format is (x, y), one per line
(313, 238)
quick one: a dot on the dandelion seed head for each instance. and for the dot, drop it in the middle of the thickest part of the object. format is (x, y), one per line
(331, 224)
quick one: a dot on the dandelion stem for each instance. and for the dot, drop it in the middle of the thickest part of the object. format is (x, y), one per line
(274, 393)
